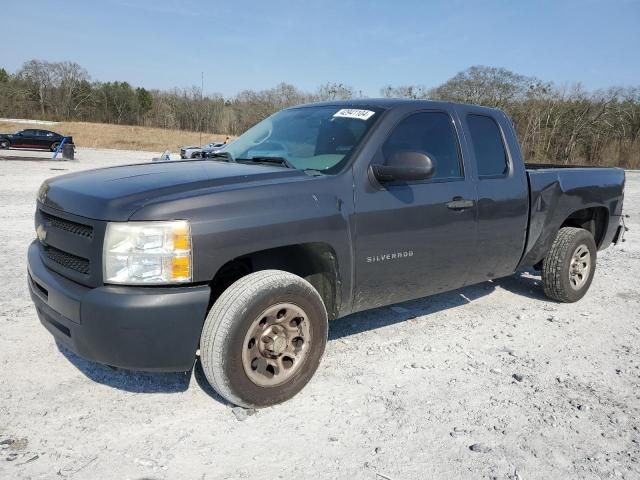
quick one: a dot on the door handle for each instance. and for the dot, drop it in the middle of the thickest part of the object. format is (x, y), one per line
(459, 203)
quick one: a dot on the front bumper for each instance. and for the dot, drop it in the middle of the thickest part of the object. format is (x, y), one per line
(137, 328)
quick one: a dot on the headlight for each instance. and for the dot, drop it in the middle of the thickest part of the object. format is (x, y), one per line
(147, 253)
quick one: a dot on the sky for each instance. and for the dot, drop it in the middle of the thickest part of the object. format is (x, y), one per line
(256, 44)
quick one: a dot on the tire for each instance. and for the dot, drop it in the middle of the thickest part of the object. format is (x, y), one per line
(568, 268)
(242, 351)
(5, 144)
(195, 155)
(54, 146)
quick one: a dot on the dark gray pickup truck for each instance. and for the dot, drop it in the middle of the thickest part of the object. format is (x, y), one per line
(317, 212)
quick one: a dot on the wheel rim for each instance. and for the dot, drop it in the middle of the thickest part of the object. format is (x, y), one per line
(4, 144)
(580, 267)
(276, 345)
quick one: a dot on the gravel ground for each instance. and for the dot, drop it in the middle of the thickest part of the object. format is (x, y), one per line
(491, 381)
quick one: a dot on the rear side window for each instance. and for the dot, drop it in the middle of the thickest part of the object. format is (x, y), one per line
(431, 133)
(490, 154)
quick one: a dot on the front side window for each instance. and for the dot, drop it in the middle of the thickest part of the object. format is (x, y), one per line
(488, 148)
(431, 133)
(318, 138)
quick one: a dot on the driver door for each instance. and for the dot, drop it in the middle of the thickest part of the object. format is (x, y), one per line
(416, 238)
(26, 139)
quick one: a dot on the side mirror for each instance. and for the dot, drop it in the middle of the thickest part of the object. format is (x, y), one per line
(405, 166)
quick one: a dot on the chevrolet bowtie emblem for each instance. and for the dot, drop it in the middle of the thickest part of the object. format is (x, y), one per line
(41, 233)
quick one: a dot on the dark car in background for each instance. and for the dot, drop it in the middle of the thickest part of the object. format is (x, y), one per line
(32, 138)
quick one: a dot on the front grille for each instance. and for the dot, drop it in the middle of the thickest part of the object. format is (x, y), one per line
(68, 226)
(68, 260)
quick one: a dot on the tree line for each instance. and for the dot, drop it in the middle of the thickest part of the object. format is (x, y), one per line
(556, 124)
(64, 91)
(566, 125)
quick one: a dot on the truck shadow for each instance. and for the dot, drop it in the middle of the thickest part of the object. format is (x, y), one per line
(525, 284)
(141, 382)
(127, 380)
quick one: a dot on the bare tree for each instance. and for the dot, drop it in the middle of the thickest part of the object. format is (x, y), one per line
(70, 80)
(38, 78)
(334, 91)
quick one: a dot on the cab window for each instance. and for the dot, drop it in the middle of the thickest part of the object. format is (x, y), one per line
(491, 156)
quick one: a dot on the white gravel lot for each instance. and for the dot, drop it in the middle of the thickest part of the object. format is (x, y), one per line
(403, 392)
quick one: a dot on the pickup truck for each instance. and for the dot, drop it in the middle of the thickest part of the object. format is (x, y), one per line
(240, 260)
(197, 151)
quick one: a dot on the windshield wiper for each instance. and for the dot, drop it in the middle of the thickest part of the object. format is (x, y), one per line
(267, 160)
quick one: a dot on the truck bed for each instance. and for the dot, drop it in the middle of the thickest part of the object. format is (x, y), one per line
(558, 191)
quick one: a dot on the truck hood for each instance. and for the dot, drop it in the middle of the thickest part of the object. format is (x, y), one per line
(115, 193)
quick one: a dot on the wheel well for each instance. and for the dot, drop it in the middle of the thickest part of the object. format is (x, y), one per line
(315, 262)
(592, 219)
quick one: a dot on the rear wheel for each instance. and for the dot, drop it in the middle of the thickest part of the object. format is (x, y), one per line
(4, 144)
(568, 268)
(263, 338)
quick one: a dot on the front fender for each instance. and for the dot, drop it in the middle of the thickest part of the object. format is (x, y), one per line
(237, 222)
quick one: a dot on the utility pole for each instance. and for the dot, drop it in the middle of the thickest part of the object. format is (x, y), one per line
(201, 98)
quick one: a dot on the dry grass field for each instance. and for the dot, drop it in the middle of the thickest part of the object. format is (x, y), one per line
(121, 137)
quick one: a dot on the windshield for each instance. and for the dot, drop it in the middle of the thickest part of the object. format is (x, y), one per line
(315, 138)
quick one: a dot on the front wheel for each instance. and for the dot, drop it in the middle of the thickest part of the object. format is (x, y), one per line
(568, 268)
(263, 339)
(54, 146)
(4, 144)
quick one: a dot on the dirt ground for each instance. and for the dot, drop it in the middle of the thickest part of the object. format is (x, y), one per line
(491, 381)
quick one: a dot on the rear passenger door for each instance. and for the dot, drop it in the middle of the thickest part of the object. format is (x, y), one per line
(46, 138)
(415, 238)
(40, 138)
(502, 192)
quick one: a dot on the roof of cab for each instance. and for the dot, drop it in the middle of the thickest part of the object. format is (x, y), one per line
(388, 103)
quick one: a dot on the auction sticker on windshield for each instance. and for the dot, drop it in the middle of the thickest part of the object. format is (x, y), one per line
(354, 113)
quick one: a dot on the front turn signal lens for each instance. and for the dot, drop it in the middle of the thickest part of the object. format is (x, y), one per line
(181, 268)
